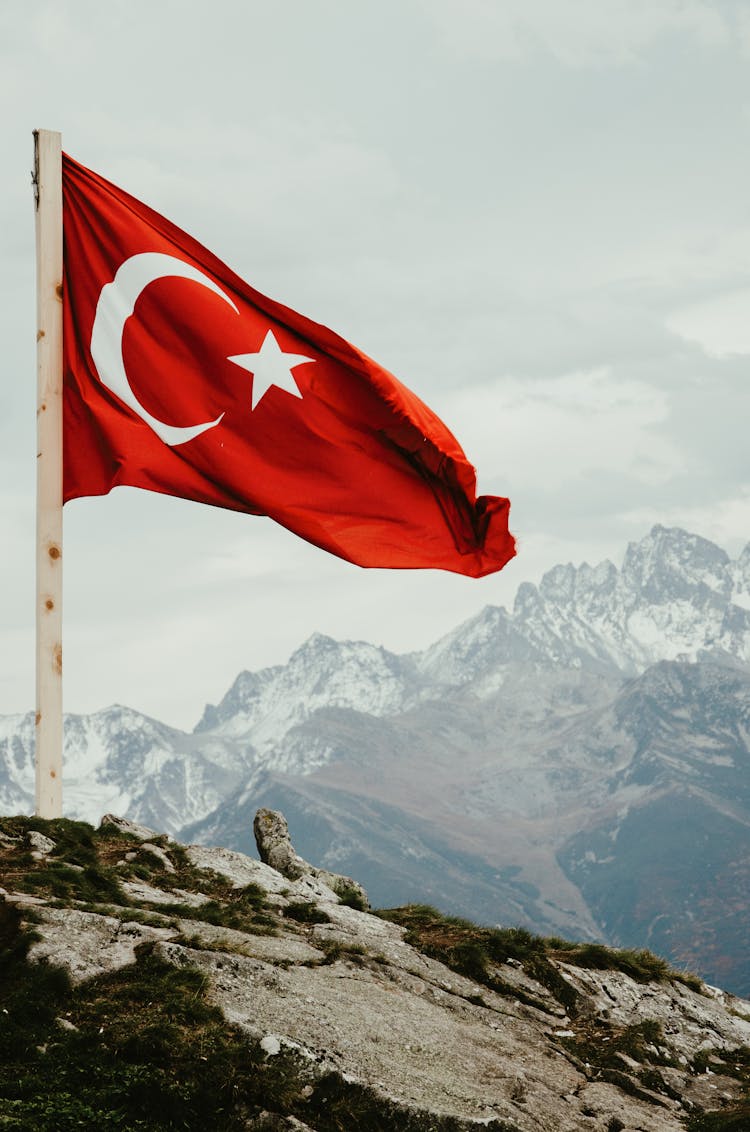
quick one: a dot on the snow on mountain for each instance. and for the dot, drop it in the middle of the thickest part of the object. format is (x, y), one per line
(676, 595)
(262, 707)
(477, 653)
(119, 761)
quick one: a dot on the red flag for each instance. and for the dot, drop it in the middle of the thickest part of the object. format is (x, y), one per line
(182, 379)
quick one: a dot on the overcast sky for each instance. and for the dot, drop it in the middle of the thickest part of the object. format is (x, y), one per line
(535, 212)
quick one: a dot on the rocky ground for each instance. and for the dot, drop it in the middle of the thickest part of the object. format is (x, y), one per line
(146, 984)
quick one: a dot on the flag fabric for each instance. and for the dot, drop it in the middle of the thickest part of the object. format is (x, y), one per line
(180, 378)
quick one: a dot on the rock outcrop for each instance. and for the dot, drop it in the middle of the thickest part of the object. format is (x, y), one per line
(275, 848)
(405, 1020)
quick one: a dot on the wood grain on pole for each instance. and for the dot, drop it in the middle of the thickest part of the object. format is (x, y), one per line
(49, 274)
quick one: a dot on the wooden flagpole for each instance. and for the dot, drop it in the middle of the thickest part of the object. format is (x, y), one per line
(49, 337)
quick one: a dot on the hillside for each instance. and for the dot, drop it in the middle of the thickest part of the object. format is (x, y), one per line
(150, 985)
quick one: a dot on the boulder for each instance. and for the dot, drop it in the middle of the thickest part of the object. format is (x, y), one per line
(276, 849)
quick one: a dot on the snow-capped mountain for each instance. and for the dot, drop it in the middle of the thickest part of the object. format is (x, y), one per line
(676, 595)
(322, 673)
(122, 762)
(514, 771)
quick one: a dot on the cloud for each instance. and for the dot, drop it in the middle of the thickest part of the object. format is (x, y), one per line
(577, 33)
(556, 432)
(721, 325)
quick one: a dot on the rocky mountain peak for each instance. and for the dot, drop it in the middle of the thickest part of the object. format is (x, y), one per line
(567, 583)
(317, 646)
(240, 701)
(260, 708)
(672, 564)
(675, 595)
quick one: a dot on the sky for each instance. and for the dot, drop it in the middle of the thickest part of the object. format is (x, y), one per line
(536, 213)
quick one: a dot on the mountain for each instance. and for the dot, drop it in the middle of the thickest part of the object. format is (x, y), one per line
(676, 596)
(576, 765)
(162, 986)
(124, 762)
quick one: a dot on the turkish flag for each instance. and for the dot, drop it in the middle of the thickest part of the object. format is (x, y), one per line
(182, 379)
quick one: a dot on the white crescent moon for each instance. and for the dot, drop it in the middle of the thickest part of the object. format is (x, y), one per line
(115, 306)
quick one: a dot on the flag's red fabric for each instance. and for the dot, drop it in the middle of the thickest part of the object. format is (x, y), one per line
(182, 379)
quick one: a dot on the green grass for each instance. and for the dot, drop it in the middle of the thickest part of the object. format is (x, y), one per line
(733, 1119)
(350, 896)
(306, 912)
(633, 1041)
(335, 950)
(72, 871)
(149, 1052)
(476, 952)
(641, 965)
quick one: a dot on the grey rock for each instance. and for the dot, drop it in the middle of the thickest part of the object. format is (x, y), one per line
(41, 846)
(87, 944)
(275, 845)
(276, 849)
(272, 949)
(126, 826)
(161, 856)
(140, 892)
(274, 1122)
(242, 870)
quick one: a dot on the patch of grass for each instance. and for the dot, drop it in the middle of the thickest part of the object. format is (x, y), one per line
(628, 1086)
(71, 871)
(640, 964)
(655, 1081)
(336, 949)
(148, 1051)
(350, 896)
(15, 941)
(126, 915)
(221, 915)
(731, 1063)
(643, 966)
(306, 912)
(735, 1118)
(195, 943)
(73, 839)
(476, 952)
(90, 884)
(599, 1044)
(689, 980)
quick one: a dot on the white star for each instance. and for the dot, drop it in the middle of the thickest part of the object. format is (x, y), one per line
(270, 366)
